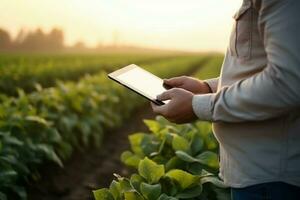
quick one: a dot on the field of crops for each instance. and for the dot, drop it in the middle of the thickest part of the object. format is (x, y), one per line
(52, 106)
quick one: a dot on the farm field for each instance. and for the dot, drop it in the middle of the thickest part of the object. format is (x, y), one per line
(60, 110)
(25, 71)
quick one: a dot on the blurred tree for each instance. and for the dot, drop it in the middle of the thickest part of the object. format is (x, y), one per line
(36, 40)
(55, 39)
(20, 37)
(79, 45)
(5, 41)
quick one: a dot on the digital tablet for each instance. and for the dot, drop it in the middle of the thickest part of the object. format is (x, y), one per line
(140, 81)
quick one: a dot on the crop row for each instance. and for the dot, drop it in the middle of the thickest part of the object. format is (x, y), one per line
(211, 69)
(171, 162)
(48, 124)
(25, 71)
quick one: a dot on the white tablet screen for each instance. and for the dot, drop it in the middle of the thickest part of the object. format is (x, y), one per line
(142, 81)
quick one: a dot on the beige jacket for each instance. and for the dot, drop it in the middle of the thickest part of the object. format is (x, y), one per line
(255, 106)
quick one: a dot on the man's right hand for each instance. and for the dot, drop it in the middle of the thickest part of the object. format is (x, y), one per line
(191, 84)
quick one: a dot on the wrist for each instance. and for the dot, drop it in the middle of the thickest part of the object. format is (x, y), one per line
(208, 88)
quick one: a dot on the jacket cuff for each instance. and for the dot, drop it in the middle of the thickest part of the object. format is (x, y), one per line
(213, 84)
(202, 106)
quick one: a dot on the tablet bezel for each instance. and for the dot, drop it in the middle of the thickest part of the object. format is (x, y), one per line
(114, 76)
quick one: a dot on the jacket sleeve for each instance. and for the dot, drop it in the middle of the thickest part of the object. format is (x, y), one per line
(273, 91)
(213, 84)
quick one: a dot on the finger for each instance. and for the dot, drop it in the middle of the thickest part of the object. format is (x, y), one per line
(158, 109)
(165, 95)
(175, 82)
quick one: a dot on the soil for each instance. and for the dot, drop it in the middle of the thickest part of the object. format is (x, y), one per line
(89, 170)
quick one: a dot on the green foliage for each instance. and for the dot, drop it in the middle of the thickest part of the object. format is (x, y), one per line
(150, 171)
(211, 69)
(173, 162)
(47, 125)
(28, 71)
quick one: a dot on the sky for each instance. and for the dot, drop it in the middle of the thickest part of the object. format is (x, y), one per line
(190, 25)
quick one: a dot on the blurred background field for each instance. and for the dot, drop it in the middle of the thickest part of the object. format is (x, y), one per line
(63, 123)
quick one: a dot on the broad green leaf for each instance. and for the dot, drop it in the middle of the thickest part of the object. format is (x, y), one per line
(132, 196)
(151, 171)
(196, 144)
(153, 125)
(185, 157)
(214, 180)
(50, 153)
(150, 192)
(103, 194)
(38, 120)
(125, 185)
(180, 143)
(115, 190)
(130, 159)
(135, 181)
(166, 197)
(184, 179)
(190, 192)
(195, 168)
(149, 144)
(208, 158)
(174, 163)
(211, 142)
(135, 142)
(161, 147)
(206, 133)
(222, 193)
(204, 128)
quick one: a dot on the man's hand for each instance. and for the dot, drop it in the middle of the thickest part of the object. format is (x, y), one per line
(179, 109)
(188, 83)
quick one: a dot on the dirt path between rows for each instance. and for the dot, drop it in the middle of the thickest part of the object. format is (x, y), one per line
(91, 169)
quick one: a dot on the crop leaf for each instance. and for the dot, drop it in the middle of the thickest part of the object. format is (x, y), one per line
(151, 171)
(214, 180)
(150, 192)
(135, 181)
(183, 178)
(103, 194)
(180, 143)
(166, 197)
(208, 158)
(133, 196)
(130, 159)
(190, 192)
(115, 190)
(153, 125)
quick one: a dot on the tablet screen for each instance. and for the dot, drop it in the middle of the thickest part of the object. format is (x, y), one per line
(140, 80)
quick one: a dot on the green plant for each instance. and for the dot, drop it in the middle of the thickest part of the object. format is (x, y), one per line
(25, 71)
(46, 125)
(172, 162)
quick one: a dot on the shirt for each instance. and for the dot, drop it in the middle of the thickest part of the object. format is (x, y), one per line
(255, 104)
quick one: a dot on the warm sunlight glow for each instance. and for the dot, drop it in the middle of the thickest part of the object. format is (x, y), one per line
(196, 25)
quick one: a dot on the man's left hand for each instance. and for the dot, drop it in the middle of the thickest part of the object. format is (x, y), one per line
(179, 109)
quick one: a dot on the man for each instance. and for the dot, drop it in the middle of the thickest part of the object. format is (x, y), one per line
(254, 104)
